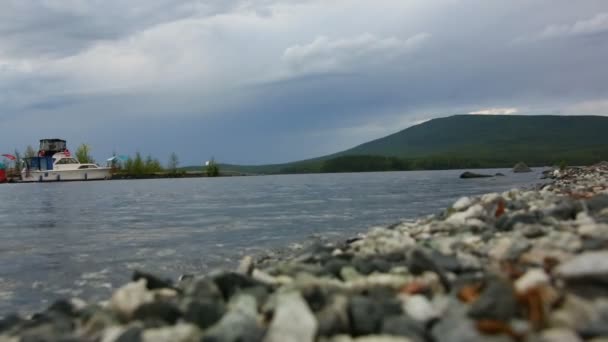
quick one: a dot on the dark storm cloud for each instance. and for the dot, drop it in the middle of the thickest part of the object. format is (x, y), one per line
(59, 28)
(270, 81)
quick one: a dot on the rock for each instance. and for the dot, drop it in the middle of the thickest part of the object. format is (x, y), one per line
(132, 334)
(334, 266)
(239, 324)
(508, 222)
(419, 262)
(532, 278)
(128, 298)
(419, 308)
(203, 289)
(8, 322)
(404, 326)
(48, 326)
(291, 308)
(588, 264)
(597, 203)
(462, 203)
(111, 334)
(365, 316)
(230, 283)
(468, 174)
(333, 318)
(446, 262)
(204, 312)
(521, 167)
(559, 334)
(152, 281)
(586, 274)
(315, 296)
(246, 266)
(157, 311)
(349, 273)
(97, 320)
(564, 210)
(531, 231)
(497, 302)
(178, 333)
(371, 338)
(462, 217)
(597, 327)
(455, 326)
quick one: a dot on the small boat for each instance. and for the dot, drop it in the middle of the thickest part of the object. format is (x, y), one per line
(55, 163)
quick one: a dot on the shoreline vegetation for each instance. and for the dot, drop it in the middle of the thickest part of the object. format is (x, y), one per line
(522, 265)
(454, 142)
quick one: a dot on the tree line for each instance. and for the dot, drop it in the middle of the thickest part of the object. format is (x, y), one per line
(372, 163)
(132, 166)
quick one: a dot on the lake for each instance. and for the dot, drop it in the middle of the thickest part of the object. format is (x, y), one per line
(85, 238)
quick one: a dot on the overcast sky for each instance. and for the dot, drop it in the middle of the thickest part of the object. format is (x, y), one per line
(263, 81)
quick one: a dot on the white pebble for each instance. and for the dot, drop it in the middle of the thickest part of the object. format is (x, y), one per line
(533, 278)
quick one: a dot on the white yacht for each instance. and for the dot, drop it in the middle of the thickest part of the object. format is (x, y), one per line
(55, 163)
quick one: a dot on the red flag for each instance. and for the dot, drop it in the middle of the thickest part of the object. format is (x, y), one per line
(9, 156)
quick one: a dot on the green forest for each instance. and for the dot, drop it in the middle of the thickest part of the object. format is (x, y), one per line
(467, 141)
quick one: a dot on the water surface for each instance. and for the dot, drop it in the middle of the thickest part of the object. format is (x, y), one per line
(85, 238)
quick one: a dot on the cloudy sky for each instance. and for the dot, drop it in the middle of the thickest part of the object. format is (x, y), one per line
(263, 81)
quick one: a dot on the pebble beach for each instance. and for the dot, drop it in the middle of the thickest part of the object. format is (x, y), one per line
(522, 265)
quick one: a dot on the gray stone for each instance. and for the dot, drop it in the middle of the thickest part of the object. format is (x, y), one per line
(518, 247)
(469, 174)
(565, 210)
(533, 231)
(419, 308)
(230, 283)
(507, 222)
(180, 332)
(521, 167)
(9, 322)
(246, 266)
(333, 318)
(292, 321)
(334, 266)
(497, 302)
(365, 316)
(132, 334)
(419, 261)
(586, 274)
(597, 203)
(455, 326)
(239, 324)
(204, 313)
(152, 281)
(404, 326)
(128, 298)
(559, 334)
(157, 311)
(594, 264)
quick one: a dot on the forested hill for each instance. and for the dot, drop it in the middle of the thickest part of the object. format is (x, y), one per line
(491, 135)
(468, 141)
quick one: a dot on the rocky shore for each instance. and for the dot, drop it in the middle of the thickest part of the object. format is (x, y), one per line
(523, 265)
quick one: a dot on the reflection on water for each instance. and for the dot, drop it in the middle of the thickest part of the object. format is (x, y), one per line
(81, 239)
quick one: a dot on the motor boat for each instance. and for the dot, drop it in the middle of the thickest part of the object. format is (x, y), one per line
(55, 163)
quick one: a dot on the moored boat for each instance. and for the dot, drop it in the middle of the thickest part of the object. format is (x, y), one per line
(55, 163)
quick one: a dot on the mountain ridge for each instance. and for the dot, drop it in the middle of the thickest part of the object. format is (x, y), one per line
(467, 141)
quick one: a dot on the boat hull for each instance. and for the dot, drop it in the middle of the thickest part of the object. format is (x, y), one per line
(66, 175)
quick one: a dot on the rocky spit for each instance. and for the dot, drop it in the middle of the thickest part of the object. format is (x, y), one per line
(523, 265)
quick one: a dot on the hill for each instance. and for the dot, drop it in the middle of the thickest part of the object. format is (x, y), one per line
(467, 141)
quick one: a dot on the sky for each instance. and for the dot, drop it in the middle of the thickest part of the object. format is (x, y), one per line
(265, 81)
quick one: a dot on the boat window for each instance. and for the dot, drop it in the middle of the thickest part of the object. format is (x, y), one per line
(88, 167)
(67, 161)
